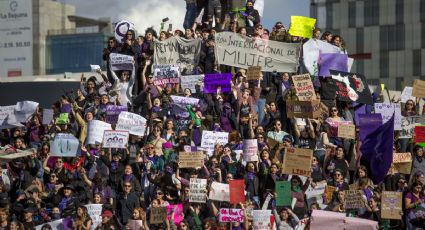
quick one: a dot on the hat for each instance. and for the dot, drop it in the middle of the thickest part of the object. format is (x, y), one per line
(287, 138)
(68, 186)
(107, 213)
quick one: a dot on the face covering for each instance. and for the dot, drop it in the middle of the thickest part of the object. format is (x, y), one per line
(56, 216)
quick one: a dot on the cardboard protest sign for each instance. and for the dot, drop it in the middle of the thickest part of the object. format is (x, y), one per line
(47, 116)
(95, 131)
(113, 111)
(211, 138)
(158, 215)
(387, 110)
(214, 81)
(191, 160)
(131, 122)
(237, 191)
(297, 161)
(219, 192)
(303, 109)
(94, 211)
(302, 26)
(403, 162)
(407, 94)
(261, 219)
(332, 61)
(198, 190)
(121, 61)
(391, 205)
(347, 131)
(56, 224)
(283, 193)
(418, 88)
(250, 150)
(231, 215)
(115, 139)
(408, 125)
(166, 74)
(64, 145)
(311, 54)
(135, 224)
(253, 73)
(354, 199)
(190, 82)
(178, 50)
(236, 50)
(304, 87)
(177, 209)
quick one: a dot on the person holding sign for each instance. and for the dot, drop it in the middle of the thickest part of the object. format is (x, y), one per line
(286, 219)
(412, 200)
(123, 86)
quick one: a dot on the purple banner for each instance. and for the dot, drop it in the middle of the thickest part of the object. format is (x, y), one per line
(113, 111)
(368, 123)
(332, 62)
(213, 81)
(66, 108)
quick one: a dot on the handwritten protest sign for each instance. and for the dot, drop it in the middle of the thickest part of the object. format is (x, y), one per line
(57, 225)
(250, 149)
(64, 145)
(95, 68)
(219, 192)
(418, 88)
(158, 215)
(115, 139)
(240, 51)
(178, 50)
(347, 131)
(94, 211)
(47, 116)
(198, 190)
(191, 159)
(190, 82)
(303, 109)
(304, 87)
(231, 215)
(403, 162)
(210, 139)
(166, 74)
(214, 81)
(113, 111)
(302, 26)
(391, 205)
(387, 110)
(185, 100)
(261, 219)
(96, 130)
(253, 73)
(283, 193)
(177, 209)
(237, 189)
(353, 199)
(315, 195)
(408, 125)
(297, 161)
(131, 122)
(121, 61)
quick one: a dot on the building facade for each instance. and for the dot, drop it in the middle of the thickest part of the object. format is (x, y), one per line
(386, 37)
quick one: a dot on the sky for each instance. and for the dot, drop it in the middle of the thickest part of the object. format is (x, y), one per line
(146, 13)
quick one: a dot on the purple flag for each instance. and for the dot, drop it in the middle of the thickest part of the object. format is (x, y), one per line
(66, 108)
(113, 111)
(332, 62)
(377, 151)
(213, 81)
(368, 123)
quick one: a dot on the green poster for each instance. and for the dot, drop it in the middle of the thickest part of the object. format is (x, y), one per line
(283, 193)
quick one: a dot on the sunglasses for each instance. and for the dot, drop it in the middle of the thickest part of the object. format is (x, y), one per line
(334, 110)
(337, 174)
(159, 193)
(127, 185)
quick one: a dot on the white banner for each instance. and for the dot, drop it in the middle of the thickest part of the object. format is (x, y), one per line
(233, 49)
(16, 43)
(57, 225)
(121, 62)
(190, 82)
(131, 122)
(211, 138)
(115, 139)
(387, 110)
(94, 211)
(185, 100)
(64, 145)
(96, 130)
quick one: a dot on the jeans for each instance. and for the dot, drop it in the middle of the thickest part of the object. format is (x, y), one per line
(191, 13)
(261, 103)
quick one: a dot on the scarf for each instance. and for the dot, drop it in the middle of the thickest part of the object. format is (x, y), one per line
(64, 202)
(250, 175)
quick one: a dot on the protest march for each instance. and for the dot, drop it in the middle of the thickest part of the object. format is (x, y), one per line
(224, 124)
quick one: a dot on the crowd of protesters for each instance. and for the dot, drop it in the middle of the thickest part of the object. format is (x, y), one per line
(130, 182)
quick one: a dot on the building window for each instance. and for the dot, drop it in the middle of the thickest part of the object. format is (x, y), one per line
(383, 37)
(384, 64)
(422, 10)
(371, 12)
(399, 11)
(417, 61)
(352, 14)
(399, 83)
(329, 15)
(400, 35)
(360, 40)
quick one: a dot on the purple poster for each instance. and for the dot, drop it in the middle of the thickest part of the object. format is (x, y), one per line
(369, 123)
(113, 111)
(213, 81)
(332, 62)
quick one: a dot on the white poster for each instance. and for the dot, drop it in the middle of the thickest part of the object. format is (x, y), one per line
(64, 145)
(387, 110)
(190, 81)
(47, 116)
(96, 130)
(407, 94)
(131, 122)
(211, 138)
(115, 139)
(185, 100)
(121, 61)
(198, 190)
(261, 219)
(94, 211)
(250, 150)
(220, 192)
(57, 225)
(16, 43)
(312, 50)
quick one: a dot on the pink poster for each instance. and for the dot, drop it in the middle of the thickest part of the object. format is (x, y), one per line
(178, 212)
